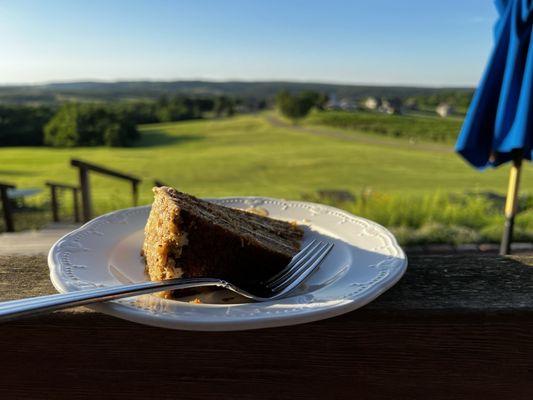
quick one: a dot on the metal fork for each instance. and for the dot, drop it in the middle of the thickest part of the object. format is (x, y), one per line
(300, 267)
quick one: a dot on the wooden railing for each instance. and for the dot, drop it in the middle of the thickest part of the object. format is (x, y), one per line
(458, 327)
(84, 168)
(54, 187)
(6, 206)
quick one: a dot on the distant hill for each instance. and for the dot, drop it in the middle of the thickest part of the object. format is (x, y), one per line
(137, 90)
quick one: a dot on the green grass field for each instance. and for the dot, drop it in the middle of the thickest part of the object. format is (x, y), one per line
(248, 155)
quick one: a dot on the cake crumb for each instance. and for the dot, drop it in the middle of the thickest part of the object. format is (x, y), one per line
(196, 301)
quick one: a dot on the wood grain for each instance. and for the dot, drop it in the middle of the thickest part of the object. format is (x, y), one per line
(454, 327)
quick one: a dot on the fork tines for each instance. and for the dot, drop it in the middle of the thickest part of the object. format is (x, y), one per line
(301, 266)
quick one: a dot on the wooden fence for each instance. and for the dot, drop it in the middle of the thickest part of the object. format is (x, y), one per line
(84, 169)
(6, 206)
(54, 188)
(84, 188)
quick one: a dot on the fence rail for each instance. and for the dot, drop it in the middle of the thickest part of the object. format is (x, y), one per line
(83, 213)
(84, 168)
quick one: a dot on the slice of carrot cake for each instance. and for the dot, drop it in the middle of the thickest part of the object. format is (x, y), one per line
(189, 237)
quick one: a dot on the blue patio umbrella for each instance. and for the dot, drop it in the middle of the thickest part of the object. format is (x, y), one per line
(499, 124)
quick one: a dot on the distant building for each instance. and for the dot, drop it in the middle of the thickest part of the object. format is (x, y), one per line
(333, 103)
(391, 106)
(444, 110)
(347, 105)
(343, 104)
(372, 103)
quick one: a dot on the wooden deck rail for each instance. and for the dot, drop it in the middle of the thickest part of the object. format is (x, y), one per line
(54, 186)
(454, 327)
(84, 168)
(6, 206)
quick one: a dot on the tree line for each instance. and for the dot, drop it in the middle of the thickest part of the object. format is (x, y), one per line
(97, 124)
(23, 125)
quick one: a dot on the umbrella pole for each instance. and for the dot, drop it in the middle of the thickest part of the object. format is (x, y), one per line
(511, 205)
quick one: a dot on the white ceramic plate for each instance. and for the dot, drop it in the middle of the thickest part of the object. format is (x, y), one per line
(365, 261)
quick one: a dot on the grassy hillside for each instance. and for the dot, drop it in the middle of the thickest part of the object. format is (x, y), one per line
(248, 155)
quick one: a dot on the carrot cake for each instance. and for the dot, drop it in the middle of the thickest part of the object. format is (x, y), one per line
(189, 237)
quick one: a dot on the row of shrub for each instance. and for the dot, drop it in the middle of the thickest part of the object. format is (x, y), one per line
(96, 124)
(413, 127)
(439, 217)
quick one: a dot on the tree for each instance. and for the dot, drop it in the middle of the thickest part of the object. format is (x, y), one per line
(23, 125)
(320, 100)
(62, 129)
(224, 106)
(138, 112)
(296, 106)
(89, 125)
(179, 108)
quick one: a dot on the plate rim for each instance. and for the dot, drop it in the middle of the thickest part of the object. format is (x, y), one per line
(304, 315)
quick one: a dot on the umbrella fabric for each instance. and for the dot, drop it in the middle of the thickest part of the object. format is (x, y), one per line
(499, 122)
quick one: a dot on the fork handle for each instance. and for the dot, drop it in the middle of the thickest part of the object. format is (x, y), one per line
(15, 309)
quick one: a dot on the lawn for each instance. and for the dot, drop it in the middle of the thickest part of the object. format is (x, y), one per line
(248, 155)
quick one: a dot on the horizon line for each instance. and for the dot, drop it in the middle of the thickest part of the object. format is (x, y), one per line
(230, 80)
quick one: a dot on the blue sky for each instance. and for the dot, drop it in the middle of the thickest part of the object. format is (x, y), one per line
(420, 42)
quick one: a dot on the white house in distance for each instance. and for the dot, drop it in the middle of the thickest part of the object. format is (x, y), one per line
(372, 103)
(343, 104)
(347, 105)
(386, 106)
(390, 106)
(444, 110)
(333, 103)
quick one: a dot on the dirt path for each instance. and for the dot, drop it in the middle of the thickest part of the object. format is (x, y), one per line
(359, 137)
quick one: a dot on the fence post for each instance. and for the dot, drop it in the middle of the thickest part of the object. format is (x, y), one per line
(6, 205)
(135, 192)
(85, 193)
(55, 206)
(84, 169)
(76, 205)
